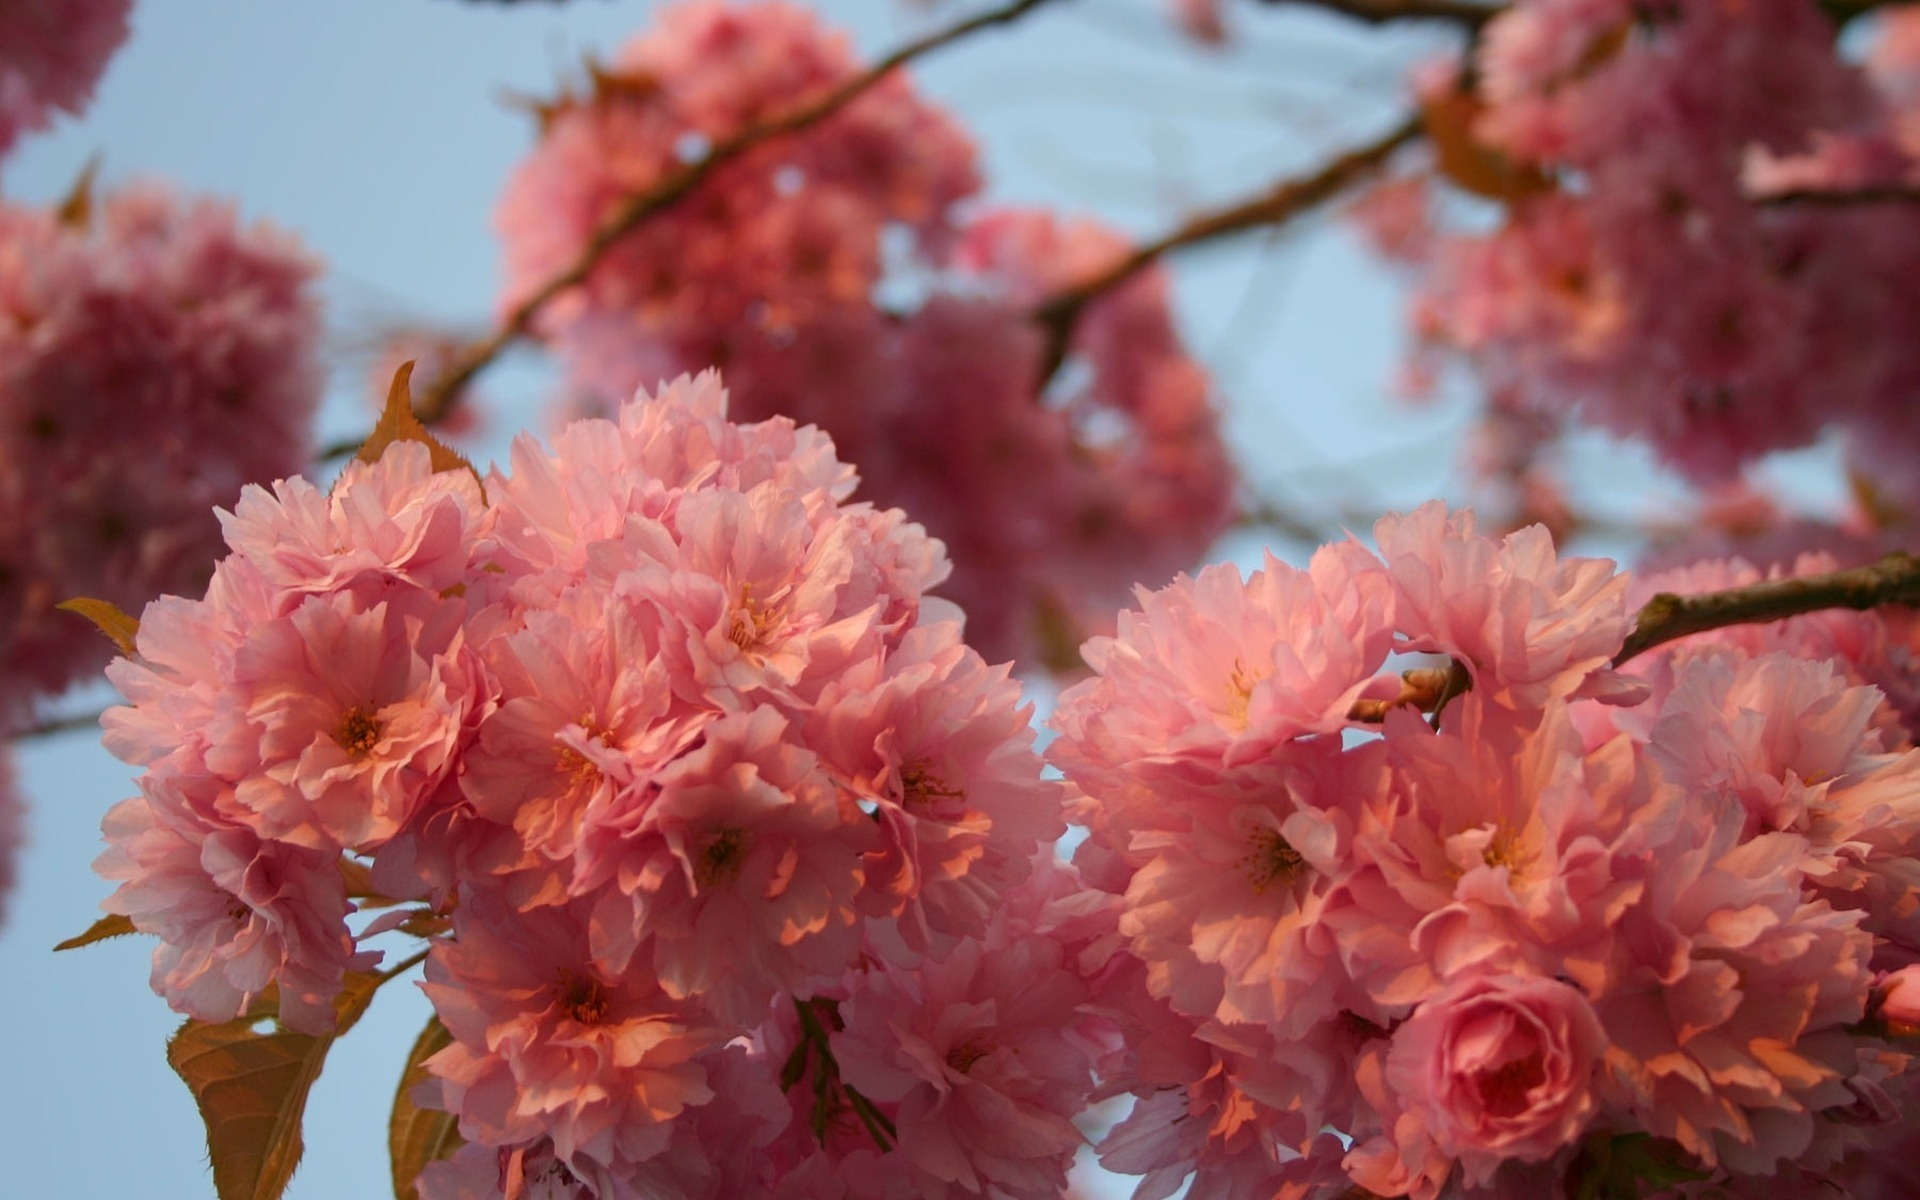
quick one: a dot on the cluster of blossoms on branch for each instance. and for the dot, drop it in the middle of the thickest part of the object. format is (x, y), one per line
(833, 275)
(1704, 237)
(738, 877)
(1588, 928)
(736, 859)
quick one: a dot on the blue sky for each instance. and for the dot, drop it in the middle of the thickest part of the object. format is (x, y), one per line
(374, 129)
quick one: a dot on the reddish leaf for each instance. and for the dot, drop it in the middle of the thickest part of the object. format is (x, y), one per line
(75, 210)
(417, 1136)
(108, 619)
(1468, 162)
(252, 1087)
(106, 927)
(398, 424)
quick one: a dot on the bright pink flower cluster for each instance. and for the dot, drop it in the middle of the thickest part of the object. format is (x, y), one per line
(51, 54)
(155, 356)
(827, 273)
(732, 840)
(1497, 950)
(1667, 268)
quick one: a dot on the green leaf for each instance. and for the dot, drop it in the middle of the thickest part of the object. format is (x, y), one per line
(417, 1136)
(107, 618)
(252, 1087)
(106, 927)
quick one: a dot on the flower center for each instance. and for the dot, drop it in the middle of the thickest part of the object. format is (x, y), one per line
(919, 784)
(581, 997)
(720, 862)
(359, 732)
(1270, 859)
(752, 621)
(962, 1057)
(1239, 694)
(1504, 1089)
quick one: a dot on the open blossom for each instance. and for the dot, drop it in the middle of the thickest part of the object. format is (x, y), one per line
(51, 54)
(235, 913)
(1490, 1070)
(548, 1043)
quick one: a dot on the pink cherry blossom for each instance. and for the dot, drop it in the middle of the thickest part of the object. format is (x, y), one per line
(234, 912)
(52, 52)
(549, 1044)
(1490, 1070)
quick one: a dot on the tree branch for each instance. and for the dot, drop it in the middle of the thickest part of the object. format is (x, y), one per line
(438, 396)
(1895, 579)
(1379, 12)
(1840, 197)
(57, 725)
(1058, 314)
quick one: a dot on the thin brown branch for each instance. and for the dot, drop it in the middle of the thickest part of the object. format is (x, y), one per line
(1380, 12)
(438, 395)
(1840, 197)
(56, 725)
(1895, 579)
(1289, 198)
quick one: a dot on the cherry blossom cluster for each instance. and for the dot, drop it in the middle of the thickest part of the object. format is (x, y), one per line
(155, 356)
(830, 274)
(1512, 923)
(1703, 240)
(735, 861)
(51, 54)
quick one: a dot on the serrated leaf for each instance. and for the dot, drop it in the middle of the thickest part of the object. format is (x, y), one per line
(252, 1088)
(107, 618)
(111, 926)
(417, 1136)
(398, 424)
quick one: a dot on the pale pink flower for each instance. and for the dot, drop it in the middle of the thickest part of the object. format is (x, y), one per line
(235, 913)
(1727, 1002)
(939, 746)
(392, 522)
(1212, 672)
(52, 52)
(976, 1058)
(733, 873)
(1492, 1069)
(1498, 846)
(337, 724)
(1528, 625)
(548, 1043)
(1900, 996)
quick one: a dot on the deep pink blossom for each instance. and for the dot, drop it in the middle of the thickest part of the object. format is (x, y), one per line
(52, 52)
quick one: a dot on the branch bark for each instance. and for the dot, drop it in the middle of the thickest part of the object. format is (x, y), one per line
(1380, 12)
(1895, 579)
(1058, 314)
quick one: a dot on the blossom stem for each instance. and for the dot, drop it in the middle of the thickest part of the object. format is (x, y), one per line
(1380, 12)
(1058, 313)
(1895, 579)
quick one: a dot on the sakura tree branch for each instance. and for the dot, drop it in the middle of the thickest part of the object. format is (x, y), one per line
(1380, 12)
(1058, 314)
(57, 725)
(438, 397)
(1895, 579)
(1841, 197)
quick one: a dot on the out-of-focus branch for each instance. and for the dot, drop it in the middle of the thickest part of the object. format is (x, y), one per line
(1841, 197)
(1895, 579)
(1289, 198)
(57, 725)
(438, 395)
(1380, 12)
